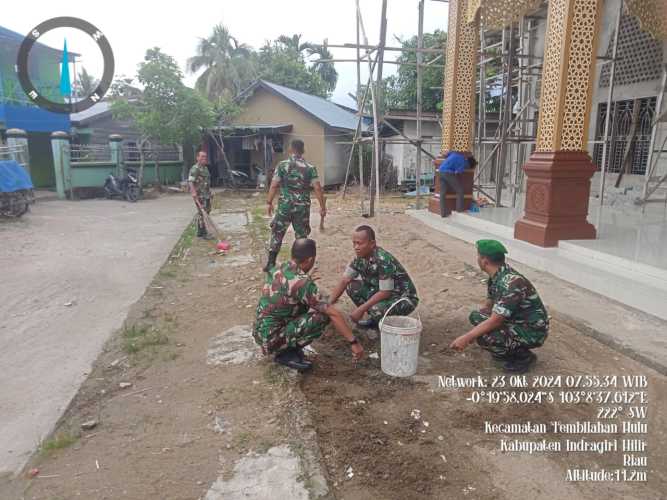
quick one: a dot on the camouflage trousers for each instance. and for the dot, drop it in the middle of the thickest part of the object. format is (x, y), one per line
(299, 332)
(506, 340)
(297, 215)
(361, 291)
(206, 205)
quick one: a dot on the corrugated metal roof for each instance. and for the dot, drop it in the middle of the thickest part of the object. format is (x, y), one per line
(9, 36)
(98, 108)
(325, 111)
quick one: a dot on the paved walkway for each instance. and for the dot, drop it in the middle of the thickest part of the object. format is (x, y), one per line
(70, 272)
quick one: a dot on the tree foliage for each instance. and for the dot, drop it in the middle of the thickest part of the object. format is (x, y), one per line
(164, 110)
(401, 89)
(230, 65)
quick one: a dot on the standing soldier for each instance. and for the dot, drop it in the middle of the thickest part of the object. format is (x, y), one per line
(199, 181)
(514, 320)
(295, 178)
(292, 313)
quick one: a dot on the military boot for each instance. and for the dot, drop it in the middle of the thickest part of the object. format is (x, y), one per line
(520, 362)
(271, 262)
(291, 359)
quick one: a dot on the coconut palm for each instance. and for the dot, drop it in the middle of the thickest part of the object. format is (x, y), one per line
(85, 84)
(326, 70)
(293, 44)
(229, 64)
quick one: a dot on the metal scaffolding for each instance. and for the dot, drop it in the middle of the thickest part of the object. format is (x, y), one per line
(373, 56)
(508, 86)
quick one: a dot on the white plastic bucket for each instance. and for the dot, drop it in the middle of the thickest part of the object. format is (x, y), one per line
(399, 344)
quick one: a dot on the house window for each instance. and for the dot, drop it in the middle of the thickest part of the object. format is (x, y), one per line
(624, 124)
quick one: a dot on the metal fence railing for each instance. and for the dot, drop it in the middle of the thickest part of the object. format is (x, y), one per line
(18, 153)
(84, 153)
(152, 153)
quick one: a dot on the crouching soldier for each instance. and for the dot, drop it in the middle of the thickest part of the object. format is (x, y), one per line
(514, 320)
(375, 281)
(292, 312)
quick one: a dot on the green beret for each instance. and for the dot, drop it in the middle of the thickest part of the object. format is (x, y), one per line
(489, 248)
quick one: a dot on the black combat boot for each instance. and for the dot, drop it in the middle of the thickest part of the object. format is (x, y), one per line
(271, 263)
(302, 356)
(520, 362)
(290, 358)
(501, 357)
(369, 323)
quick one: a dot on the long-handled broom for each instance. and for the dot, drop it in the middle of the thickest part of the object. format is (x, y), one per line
(211, 227)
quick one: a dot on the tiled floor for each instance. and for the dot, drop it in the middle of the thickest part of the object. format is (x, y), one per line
(622, 231)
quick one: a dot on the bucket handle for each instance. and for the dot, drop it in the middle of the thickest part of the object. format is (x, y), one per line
(394, 305)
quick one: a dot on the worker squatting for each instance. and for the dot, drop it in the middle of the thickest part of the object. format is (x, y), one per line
(293, 311)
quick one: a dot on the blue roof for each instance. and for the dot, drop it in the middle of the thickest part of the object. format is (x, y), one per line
(9, 36)
(327, 112)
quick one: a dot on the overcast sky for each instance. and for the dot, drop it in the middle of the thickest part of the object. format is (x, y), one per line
(133, 26)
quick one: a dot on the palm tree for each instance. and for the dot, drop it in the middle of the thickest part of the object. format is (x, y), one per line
(229, 64)
(326, 70)
(85, 84)
(293, 44)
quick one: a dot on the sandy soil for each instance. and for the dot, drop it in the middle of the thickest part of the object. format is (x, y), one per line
(158, 438)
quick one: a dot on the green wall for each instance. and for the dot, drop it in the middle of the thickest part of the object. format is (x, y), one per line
(41, 159)
(93, 174)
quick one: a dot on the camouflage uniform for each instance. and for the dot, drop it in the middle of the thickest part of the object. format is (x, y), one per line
(291, 310)
(200, 177)
(381, 271)
(526, 320)
(296, 178)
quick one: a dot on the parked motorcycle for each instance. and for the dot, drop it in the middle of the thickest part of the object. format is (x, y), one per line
(16, 189)
(126, 187)
(242, 180)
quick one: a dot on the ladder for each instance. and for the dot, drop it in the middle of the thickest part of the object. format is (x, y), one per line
(651, 181)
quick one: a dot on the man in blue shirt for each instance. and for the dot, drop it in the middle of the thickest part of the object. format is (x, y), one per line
(450, 170)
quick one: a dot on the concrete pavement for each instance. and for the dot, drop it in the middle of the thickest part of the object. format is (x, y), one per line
(70, 272)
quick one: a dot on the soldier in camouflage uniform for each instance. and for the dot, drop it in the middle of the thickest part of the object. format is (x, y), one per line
(295, 178)
(513, 320)
(292, 312)
(199, 181)
(375, 280)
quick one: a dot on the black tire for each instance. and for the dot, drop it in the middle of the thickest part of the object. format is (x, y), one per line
(132, 193)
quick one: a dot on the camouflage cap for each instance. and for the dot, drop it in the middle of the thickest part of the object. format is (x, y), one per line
(489, 248)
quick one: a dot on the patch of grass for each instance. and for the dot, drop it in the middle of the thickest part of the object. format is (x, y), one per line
(259, 228)
(242, 439)
(216, 202)
(166, 272)
(275, 375)
(263, 445)
(186, 239)
(59, 441)
(138, 337)
(284, 254)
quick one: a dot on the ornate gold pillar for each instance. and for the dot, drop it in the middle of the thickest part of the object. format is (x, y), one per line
(458, 115)
(559, 172)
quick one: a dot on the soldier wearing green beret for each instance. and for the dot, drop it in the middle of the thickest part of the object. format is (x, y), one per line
(514, 320)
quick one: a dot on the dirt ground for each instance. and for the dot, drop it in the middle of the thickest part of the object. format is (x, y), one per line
(185, 422)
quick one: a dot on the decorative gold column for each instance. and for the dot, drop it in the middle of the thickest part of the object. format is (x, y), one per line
(458, 115)
(560, 170)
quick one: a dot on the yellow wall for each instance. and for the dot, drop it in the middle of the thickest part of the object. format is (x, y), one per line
(266, 108)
